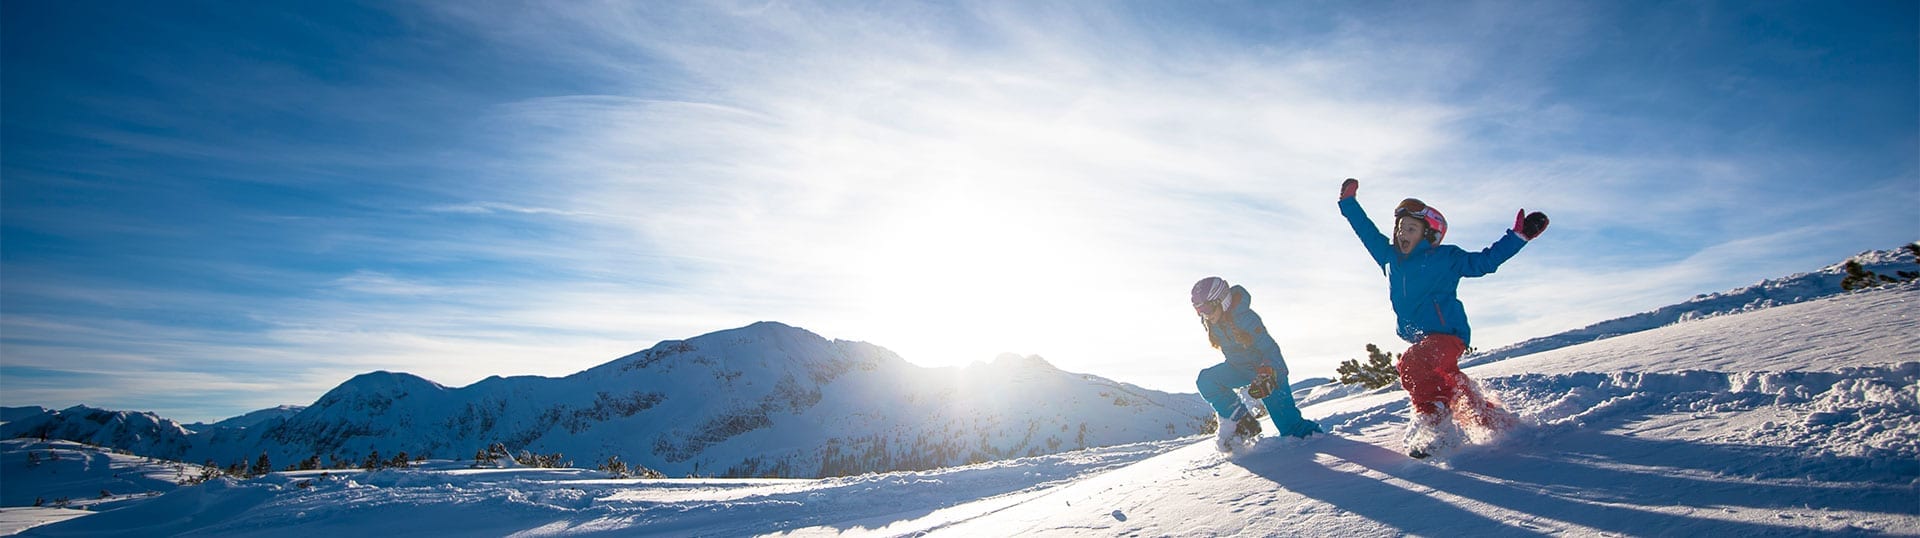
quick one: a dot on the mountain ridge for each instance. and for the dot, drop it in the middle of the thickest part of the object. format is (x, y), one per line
(767, 399)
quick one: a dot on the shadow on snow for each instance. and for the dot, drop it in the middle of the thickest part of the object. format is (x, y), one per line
(1583, 477)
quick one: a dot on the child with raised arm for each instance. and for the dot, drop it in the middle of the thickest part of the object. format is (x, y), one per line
(1423, 277)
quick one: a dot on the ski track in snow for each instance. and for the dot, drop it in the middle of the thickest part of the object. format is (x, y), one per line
(1793, 420)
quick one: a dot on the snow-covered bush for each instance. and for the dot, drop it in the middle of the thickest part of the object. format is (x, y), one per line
(544, 461)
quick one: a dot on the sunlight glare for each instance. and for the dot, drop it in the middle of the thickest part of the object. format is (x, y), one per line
(960, 275)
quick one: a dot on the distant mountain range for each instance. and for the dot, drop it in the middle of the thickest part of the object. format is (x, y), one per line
(763, 400)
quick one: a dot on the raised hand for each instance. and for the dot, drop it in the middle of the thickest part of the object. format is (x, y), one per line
(1529, 226)
(1349, 187)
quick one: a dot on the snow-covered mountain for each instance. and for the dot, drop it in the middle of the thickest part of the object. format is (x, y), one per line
(1802, 419)
(251, 419)
(10, 414)
(763, 400)
(132, 431)
(1797, 288)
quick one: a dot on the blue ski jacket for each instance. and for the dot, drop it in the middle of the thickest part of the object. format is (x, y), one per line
(1258, 347)
(1423, 284)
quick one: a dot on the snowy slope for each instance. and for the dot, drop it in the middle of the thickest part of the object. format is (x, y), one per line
(763, 400)
(80, 473)
(1768, 293)
(1788, 420)
(1798, 419)
(69, 480)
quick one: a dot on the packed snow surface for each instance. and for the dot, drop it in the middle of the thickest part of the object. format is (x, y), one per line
(1796, 419)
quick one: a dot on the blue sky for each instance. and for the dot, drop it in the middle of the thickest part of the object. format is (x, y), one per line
(210, 208)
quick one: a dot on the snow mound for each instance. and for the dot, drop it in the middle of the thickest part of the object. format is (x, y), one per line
(1869, 416)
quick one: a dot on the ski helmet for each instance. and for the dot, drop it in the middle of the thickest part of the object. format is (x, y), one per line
(1210, 295)
(1436, 223)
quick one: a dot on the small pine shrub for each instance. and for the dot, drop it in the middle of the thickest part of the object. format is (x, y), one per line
(615, 467)
(1858, 277)
(261, 466)
(1377, 372)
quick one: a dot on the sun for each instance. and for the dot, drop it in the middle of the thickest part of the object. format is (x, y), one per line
(960, 275)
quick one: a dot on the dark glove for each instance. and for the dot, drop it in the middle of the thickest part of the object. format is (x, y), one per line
(1349, 187)
(1529, 226)
(1264, 381)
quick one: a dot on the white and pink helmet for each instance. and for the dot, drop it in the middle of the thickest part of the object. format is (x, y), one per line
(1414, 208)
(1211, 295)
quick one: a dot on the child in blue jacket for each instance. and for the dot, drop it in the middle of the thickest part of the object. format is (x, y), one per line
(1253, 361)
(1423, 277)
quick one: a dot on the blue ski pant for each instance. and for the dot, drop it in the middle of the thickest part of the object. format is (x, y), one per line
(1218, 381)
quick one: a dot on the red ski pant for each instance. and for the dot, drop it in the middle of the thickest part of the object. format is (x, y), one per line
(1430, 371)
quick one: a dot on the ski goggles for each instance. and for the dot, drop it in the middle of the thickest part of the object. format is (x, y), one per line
(1411, 207)
(1207, 308)
(1210, 296)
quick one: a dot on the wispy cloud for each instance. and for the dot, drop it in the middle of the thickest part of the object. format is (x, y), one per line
(953, 201)
(908, 179)
(498, 207)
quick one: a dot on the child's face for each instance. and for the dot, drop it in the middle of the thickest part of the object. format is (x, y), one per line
(1211, 311)
(1407, 232)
